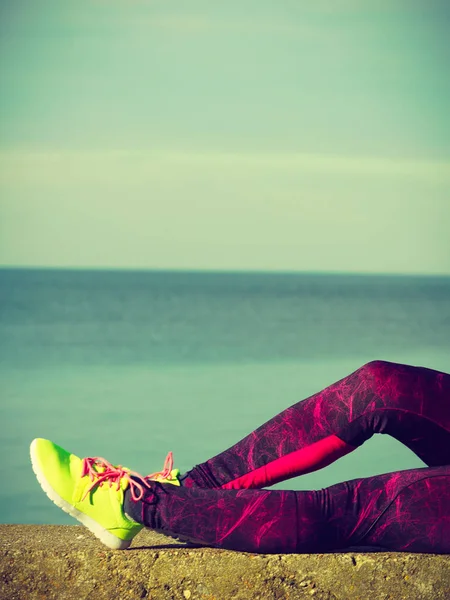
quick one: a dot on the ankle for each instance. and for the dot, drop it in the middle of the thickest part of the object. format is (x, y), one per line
(131, 508)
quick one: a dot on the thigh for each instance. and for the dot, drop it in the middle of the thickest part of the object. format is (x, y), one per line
(405, 511)
(418, 519)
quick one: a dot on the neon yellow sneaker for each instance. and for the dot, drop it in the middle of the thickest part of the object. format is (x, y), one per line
(89, 489)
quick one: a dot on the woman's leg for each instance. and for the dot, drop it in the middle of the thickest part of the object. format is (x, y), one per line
(412, 404)
(403, 511)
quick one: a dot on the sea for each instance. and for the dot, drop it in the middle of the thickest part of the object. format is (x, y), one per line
(130, 365)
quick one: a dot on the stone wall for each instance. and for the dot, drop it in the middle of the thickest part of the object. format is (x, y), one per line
(68, 563)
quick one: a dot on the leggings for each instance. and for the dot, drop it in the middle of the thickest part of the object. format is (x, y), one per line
(402, 511)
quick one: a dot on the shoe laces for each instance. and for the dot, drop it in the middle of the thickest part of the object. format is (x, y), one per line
(166, 470)
(101, 471)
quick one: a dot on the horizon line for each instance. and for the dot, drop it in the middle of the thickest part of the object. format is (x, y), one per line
(218, 271)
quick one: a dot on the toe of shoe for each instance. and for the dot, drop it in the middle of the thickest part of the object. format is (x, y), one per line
(52, 464)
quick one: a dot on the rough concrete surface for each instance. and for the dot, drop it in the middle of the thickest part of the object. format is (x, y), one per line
(68, 563)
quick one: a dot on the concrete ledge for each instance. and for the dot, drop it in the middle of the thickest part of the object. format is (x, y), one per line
(68, 563)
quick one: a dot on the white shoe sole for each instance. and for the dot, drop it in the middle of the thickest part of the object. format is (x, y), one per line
(109, 539)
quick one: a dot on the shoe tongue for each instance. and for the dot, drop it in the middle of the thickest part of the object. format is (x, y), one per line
(124, 483)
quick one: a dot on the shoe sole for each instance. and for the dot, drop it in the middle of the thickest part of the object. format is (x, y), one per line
(107, 538)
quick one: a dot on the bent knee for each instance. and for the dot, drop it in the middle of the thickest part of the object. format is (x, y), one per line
(377, 367)
(383, 376)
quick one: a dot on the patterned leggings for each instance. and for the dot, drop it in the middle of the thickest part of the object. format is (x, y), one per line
(402, 511)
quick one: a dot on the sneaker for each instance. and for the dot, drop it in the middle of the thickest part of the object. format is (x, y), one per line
(91, 490)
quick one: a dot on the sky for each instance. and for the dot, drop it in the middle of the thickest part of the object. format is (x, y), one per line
(240, 135)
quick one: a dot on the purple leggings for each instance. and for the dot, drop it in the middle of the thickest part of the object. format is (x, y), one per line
(402, 511)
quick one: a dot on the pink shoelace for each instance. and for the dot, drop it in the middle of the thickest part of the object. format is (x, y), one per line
(100, 471)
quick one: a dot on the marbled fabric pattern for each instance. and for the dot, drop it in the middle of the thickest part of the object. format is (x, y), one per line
(401, 511)
(412, 404)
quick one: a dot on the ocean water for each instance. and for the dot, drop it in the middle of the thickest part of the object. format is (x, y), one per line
(131, 364)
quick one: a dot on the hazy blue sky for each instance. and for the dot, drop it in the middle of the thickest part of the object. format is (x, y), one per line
(247, 134)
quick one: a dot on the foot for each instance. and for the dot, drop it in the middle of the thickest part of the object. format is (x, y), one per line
(90, 490)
